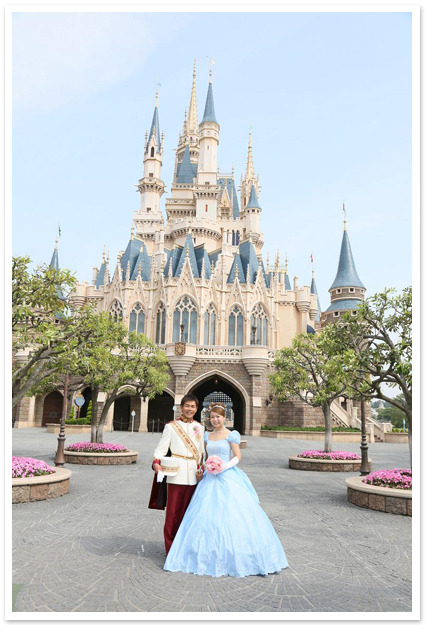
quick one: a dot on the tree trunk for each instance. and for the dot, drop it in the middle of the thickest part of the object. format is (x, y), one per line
(108, 403)
(94, 396)
(409, 435)
(326, 408)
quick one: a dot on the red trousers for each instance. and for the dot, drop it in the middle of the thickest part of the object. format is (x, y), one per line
(178, 499)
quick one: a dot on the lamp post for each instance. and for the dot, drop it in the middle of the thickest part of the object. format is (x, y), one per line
(364, 466)
(60, 457)
(182, 333)
(133, 414)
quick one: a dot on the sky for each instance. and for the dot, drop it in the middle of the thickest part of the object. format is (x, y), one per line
(328, 97)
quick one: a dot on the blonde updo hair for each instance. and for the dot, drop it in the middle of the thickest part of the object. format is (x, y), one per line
(218, 409)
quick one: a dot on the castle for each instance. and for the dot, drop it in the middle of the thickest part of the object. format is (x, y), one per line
(197, 285)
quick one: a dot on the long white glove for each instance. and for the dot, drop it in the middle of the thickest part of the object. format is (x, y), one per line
(159, 476)
(228, 465)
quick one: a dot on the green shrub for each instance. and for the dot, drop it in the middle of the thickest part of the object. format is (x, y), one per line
(78, 421)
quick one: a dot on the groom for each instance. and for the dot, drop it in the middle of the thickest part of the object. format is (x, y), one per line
(184, 437)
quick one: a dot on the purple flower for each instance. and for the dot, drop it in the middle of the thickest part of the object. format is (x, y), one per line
(96, 447)
(29, 467)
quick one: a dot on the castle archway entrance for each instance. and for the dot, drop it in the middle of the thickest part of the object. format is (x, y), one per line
(160, 412)
(52, 408)
(122, 413)
(227, 393)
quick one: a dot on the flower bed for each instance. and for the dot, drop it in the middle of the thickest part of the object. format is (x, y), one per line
(97, 448)
(318, 460)
(99, 453)
(391, 478)
(29, 467)
(331, 455)
(35, 480)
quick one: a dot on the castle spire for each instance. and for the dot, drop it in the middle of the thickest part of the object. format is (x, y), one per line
(154, 134)
(250, 175)
(209, 112)
(192, 122)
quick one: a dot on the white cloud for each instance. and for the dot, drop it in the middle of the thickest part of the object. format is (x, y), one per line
(58, 55)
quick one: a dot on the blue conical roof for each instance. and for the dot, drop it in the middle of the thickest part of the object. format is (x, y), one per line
(313, 289)
(55, 258)
(253, 200)
(100, 278)
(154, 131)
(232, 274)
(188, 248)
(144, 261)
(346, 274)
(185, 171)
(209, 112)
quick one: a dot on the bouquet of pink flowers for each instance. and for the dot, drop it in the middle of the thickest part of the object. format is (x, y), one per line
(214, 464)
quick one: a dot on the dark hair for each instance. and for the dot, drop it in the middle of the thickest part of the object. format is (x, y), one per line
(186, 398)
(218, 409)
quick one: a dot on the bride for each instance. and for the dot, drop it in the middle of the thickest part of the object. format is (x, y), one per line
(225, 531)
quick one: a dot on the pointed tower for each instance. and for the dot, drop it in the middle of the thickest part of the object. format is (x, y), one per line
(54, 263)
(347, 290)
(189, 138)
(252, 215)
(151, 187)
(249, 180)
(313, 289)
(207, 189)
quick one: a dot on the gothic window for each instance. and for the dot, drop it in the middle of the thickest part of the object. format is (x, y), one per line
(152, 151)
(116, 310)
(209, 327)
(185, 314)
(258, 326)
(236, 326)
(160, 325)
(237, 237)
(137, 319)
(233, 238)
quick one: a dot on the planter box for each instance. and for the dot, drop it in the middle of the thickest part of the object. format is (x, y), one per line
(26, 489)
(85, 457)
(311, 464)
(396, 437)
(391, 500)
(337, 437)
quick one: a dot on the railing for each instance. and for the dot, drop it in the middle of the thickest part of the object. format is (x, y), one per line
(218, 351)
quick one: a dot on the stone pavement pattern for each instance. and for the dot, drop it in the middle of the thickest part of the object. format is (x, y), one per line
(100, 549)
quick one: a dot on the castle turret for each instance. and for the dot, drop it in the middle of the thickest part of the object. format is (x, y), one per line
(151, 187)
(249, 180)
(189, 138)
(347, 290)
(252, 215)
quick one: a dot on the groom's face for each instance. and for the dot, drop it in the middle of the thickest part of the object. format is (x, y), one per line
(189, 409)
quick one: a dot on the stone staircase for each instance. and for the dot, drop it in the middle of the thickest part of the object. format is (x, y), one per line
(343, 418)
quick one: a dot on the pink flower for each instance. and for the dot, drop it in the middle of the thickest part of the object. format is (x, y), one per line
(214, 464)
(332, 455)
(391, 478)
(100, 448)
(29, 467)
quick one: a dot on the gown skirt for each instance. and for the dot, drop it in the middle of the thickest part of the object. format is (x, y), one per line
(225, 531)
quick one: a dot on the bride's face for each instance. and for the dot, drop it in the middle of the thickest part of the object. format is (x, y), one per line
(217, 420)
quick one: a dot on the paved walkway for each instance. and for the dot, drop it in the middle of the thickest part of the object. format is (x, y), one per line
(99, 548)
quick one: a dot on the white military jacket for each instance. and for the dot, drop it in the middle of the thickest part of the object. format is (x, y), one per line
(186, 473)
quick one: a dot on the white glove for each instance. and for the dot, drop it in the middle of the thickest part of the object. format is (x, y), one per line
(159, 476)
(228, 465)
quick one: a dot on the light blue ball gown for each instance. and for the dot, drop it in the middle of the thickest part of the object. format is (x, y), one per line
(225, 531)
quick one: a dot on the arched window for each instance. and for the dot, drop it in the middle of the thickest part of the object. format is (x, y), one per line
(152, 151)
(116, 310)
(160, 325)
(209, 327)
(233, 238)
(258, 326)
(137, 319)
(236, 326)
(185, 314)
(237, 237)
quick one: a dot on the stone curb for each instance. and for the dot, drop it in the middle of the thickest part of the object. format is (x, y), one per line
(318, 464)
(378, 498)
(42, 487)
(83, 457)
